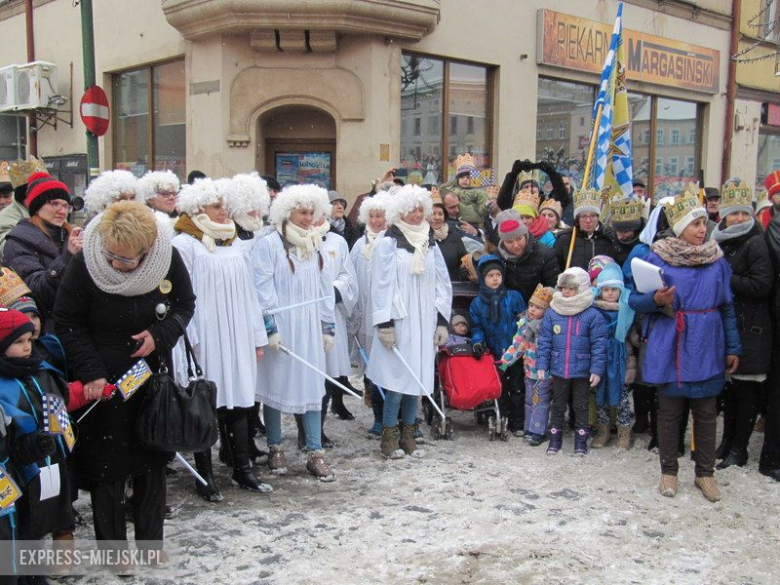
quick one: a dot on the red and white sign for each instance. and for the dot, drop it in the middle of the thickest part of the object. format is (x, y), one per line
(94, 110)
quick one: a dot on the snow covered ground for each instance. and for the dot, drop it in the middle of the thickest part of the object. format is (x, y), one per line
(474, 511)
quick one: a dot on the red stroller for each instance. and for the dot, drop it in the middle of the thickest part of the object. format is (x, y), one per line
(468, 383)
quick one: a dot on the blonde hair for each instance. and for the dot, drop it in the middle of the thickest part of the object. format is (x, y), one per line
(130, 224)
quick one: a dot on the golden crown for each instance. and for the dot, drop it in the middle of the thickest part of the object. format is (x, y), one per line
(527, 198)
(542, 295)
(681, 206)
(11, 287)
(762, 200)
(4, 166)
(436, 196)
(732, 195)
(626, 209)
(19, 170)
(588, 197)
(528, 176)
(491, 191)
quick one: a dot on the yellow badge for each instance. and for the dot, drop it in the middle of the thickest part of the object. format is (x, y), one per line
(166, 287)
(332, 254)
(556, 329)
(9, 491)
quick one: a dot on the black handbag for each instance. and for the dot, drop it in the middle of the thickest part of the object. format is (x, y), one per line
(179, 419)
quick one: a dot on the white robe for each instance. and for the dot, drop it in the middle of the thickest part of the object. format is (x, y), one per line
(412, 302)
(227, 325)
(335, 251)
(360, 320)
(283, 383)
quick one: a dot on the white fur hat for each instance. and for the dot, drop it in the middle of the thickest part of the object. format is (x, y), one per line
(154, 181)
(406, 199)
(297, 197)
(378, 202)
(106, 188)
(195, 197)
(248, 192)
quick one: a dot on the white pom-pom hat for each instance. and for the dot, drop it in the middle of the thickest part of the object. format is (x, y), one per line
(407, 199)
(248, 192)
(378, 202)
(155, 181)
(196, 197)
(299, 197)
(106, 188)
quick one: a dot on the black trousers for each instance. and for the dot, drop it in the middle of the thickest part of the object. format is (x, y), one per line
(147, 507)
(512, 401)
(770, 453)
(579, 389)
(671, 410)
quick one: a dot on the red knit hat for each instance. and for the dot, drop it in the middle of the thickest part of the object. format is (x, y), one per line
(772, 183)
(42, 190)
(13, 324)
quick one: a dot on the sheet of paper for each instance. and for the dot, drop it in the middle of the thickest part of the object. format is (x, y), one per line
(647, 277)
(50, 481)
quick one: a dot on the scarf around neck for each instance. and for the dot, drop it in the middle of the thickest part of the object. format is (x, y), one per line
(17, 367)
(306, 242)
(339, 225)
(248, 222)
(145, 278)
(209, 233)
(678, 252)
(539, 227)
(418, 238)
(441, 233)
(492, 297)
(531, 330)
(323, 228)
(569, 306)
(733, 232)
(368, 247)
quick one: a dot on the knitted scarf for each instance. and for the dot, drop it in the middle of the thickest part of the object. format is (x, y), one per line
(210, 233)
(368, 247)
(678, 252)
(607, 305)
(440, 234)
(732, 232)
(323, 228)
(492, 297)
(569, 306)
(145, 278)
(531, 330)
(18, 367)
(339, 225)
(248, 222)
(539, 227)
(418, 238)
(306, 242)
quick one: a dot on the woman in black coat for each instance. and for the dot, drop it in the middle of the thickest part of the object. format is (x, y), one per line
(127, 297)
(742, 241)
(449, 241)
(39, 249)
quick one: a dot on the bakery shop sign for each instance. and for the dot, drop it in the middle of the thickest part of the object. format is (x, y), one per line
(577, 43)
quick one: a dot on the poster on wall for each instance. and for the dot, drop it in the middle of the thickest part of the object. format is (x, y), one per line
(304, 167)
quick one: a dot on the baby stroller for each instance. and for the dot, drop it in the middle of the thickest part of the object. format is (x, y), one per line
(466, 382)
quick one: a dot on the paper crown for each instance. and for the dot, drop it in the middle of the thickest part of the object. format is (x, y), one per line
(464, 163)
(528, 176)
(11, 287)
(553, 205)
(491, 191)
(587, 198)
(733, 195)
(762, 200)
(542, 296)
(19, 170)
(625, 209)
(436, 198)
(4, 166)
(527, 198)
(681, 206)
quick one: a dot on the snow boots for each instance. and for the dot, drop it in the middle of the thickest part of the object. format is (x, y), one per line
(602, 437)
(315, 464)
(389, 447)
(581, 442)
(556, 440)
(407, 442)
(337, 398)
(276, 461)
(668, 485)
(624, 438)
(709, 488)
(208, 492)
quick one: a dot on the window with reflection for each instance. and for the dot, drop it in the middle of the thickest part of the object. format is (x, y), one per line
(768, 156)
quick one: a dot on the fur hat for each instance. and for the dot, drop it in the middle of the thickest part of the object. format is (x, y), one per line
(542, 296)
(13, 324)
(107, 188)
(510, 226)
(299, 197)
(155, 181)
(246, 192)
(193, 198)
(407, 199)
(574, 277)
(378, 202)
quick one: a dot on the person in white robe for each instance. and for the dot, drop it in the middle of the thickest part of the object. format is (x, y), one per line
(227, 331)
(411, 302)
(372, 216)
(289, 268)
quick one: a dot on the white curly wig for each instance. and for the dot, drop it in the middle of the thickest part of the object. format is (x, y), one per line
(106, 188)
(154, 181)
(378, 202)
(194, 198)
(297, 197)
(406, 199)
(248, 192)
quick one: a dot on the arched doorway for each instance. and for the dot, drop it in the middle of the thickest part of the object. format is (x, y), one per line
(298, 144)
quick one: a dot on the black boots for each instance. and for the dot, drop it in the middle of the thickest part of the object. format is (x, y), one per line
(208, 492)
(238, 438)
(337, 399)
(736, 457)
(642, 404)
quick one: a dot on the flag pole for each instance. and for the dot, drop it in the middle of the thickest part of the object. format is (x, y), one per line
(588, 164)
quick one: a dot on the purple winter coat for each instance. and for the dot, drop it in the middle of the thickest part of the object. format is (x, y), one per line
(572, 347)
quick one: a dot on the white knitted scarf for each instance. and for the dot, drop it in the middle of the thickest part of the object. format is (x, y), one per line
(417, 236)
(248, 222)
(441, 233)
(213, 231)
(306, 242)
(569, 306)
(144, 279)
(368, 248)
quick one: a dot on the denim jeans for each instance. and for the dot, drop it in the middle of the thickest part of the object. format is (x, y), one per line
(396, 402)
(312, 425)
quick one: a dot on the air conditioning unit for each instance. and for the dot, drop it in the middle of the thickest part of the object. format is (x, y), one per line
(8, 88)
(36, 83)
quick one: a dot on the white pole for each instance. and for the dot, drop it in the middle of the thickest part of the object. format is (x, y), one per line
(295, 356)
(189, 468)
(420, 384)
(88, 411)
(295, 306)
(364, 357)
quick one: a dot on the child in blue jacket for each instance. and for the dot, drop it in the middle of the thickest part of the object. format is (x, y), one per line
(494, 313)
(572, 348)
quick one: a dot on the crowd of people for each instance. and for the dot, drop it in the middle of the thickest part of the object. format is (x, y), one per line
(282, 295)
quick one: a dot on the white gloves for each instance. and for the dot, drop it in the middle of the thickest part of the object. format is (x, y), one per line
(386, 336)
(274, 341)
(327, 342)
(441, 336)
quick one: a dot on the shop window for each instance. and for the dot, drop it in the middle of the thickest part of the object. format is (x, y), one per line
(682, 116)
(442, 90)
(140, 143)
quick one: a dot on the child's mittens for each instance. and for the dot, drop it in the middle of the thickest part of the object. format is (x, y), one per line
(440, 336)
(32, 447)
(386, 336)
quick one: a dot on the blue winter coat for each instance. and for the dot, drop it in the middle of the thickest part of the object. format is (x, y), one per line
(572, 346)
(609, 389)
(497, 336)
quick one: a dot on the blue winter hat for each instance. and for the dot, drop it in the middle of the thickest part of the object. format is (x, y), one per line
(490, 262)
(611, 276)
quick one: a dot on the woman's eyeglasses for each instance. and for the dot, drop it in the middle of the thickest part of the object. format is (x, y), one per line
(122, 260)
(58, 205)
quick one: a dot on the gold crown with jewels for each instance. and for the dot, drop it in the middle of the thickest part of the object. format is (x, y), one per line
(19, 170)
(732, 195)
(626, 209)
(588, 197)
(682, 205)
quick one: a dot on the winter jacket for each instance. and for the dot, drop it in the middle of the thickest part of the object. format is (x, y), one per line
(752, 277)
(690, 349)
(96, 328)
(537, 264)
(506, 195)
(350, 233)
(9, 217)
(773, 243)
(473, 202)
(572, 346)
(39, 260)
(498, 336)
(611, 385)
(522, 349)
(453, 250)
(602, 241)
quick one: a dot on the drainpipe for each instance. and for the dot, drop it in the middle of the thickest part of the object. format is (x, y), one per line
(32, 145)
(731, 92)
